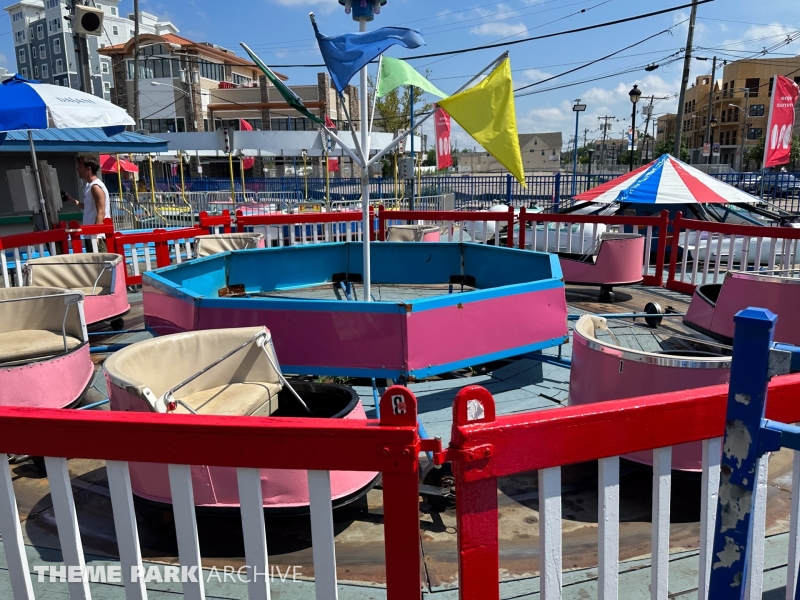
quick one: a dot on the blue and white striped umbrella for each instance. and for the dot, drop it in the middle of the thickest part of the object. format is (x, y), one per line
(27, 105)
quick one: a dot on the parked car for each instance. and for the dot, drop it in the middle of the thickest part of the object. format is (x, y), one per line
(782, 185)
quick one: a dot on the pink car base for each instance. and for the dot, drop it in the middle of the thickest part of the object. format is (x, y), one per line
(233, 373)
(714, 305)
(615, 261)
(44, 348)
(100, 277)
(206, 245)
(603, 371)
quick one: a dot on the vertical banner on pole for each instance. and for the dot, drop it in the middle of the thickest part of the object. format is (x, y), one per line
(443, 157)
(778, 144)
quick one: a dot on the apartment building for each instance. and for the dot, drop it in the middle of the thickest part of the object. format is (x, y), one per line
(44, 45)
(187, 86)
(740, 104)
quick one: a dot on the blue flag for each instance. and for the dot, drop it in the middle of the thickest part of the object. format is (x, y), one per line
(346, 54)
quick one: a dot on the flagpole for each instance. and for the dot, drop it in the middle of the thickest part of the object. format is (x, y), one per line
(419, 123)
(375, 98)
(365, 130)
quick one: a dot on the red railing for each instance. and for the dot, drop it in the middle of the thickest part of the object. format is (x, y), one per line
(487, 447)
(390, 446)
(213, 223)
(165, 245)
(721, 246)
(76, 231)
(647, 223)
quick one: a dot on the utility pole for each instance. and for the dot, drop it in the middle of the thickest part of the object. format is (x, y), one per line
(710, 107)
(137, 115)
(687, 61)
(604, 127)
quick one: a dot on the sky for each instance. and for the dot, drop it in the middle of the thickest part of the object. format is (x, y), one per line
(280, 32)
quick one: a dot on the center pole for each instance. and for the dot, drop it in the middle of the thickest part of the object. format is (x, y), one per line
(365, 225)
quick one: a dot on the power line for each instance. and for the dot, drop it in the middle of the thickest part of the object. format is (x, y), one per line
(523, 40)
(595, 61)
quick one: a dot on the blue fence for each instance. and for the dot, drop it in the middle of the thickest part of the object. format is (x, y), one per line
(549, 192)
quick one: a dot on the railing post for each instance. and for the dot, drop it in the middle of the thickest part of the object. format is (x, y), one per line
(557, 193)
(510, 232)
(673, 248)
(162, 248)
(381, 224)
(476, 503)
(74, 230)
(742, 448)
(523, 213)
(661, 248)
(401, 499)
(508, 188)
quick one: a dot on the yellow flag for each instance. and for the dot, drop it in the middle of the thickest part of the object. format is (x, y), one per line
(486, 112)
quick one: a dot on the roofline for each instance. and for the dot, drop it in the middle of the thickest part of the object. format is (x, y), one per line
(236, 61)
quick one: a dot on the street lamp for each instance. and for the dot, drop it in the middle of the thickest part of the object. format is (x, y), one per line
(185, 93)
(713, 123)
(634, 94)
(578, 108)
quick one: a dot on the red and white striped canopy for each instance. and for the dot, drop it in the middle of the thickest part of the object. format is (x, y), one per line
(666, 180)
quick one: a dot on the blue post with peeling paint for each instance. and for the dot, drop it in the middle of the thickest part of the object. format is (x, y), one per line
(747, 394)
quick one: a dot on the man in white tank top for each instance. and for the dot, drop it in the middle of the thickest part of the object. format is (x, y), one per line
(96, 204)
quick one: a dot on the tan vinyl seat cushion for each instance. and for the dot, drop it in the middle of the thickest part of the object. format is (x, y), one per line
(28, 344)
(234, 399)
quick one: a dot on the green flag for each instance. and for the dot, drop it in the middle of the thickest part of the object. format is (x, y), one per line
(395, 73)
(291, 98)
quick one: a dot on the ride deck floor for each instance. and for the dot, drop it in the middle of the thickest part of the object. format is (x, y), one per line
(520, 385)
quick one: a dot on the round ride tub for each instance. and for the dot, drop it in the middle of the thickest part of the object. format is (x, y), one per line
(714, 305)
(99, 276)
(44, 348)
(246, 384)
(603, 371)
(413, 233)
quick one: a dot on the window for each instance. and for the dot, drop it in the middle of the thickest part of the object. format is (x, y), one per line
(756, 110)
(57, 46)
(36, 72)
(22, 57)
(240, 79)
(106, 86)
(164, 125)
(59, 68)
(54, 25)
(542, 152)
(57, 82)
(292, 124)
(19, 36)
(755, 133)
(45, 71)
(33, 51)
(115, 30)
(24, 72)
(52, 3)
(752, 83)
(40, 31)
(211, 70)
(104, 66)
(733, 138)
(17, 16)
(42, 51)
(114, 11)
(31, 32)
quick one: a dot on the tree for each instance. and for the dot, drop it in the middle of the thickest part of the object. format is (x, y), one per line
(392, 113)
(430, 158)
(666, 146)
(756, 153)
